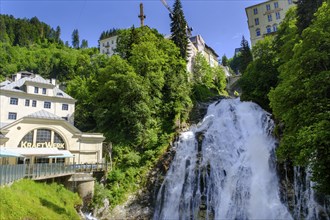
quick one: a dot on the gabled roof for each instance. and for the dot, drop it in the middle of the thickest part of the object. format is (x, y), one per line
(44, 114)
(16, 86)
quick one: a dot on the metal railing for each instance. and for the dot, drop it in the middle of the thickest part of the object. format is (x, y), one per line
(11, 173)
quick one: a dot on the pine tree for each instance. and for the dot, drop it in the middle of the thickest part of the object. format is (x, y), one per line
(84, 44)
(179, 28)
(246, 55)
(57, 34)
(75, 39)
(224, 60)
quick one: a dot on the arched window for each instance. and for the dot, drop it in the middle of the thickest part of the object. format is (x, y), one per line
(269, 29)
(275, 27)
(42, 138)
(258, 32)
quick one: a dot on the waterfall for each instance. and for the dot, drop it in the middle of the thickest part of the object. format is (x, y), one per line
(224, 168)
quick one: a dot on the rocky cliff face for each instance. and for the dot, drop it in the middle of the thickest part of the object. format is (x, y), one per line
(296, 191)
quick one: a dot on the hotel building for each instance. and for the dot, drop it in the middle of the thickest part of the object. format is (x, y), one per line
(108, 45)
(264, 18)
(36, 124)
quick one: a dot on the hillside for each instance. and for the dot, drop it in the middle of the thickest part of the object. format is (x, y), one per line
(27, 199)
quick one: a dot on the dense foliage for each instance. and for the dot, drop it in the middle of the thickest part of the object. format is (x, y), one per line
(24, 32)
(179, 28)
(293, 70)
(207, 81)
(27, 199)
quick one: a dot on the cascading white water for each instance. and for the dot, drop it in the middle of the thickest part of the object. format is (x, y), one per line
(224, 168)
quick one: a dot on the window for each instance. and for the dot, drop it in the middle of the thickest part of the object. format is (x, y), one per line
(34, 103)
(27, 102)
(255, 11)
(12, 115)
(44, 91)
(268, 7)
(256, 21)
(14, 101)
(41, 160)
(258, 32)
(47, 104)
(278, 15)
(270, 18)
(65, 107)
(112, 42)
(269, 30)
(290, 2)
(28, 137)
(58, 138)
(275, 27)
(43, 135)
(36, 90)
(275, 4)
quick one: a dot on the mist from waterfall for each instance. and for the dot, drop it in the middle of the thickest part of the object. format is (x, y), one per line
(224, 168)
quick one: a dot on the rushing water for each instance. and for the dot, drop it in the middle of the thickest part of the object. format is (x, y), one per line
(224, 168)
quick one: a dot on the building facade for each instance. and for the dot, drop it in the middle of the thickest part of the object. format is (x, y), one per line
(108, 45)
(37, 124)
(196, 44)
(264, 18)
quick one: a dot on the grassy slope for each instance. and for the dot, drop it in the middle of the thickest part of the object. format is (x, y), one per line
(27, 199)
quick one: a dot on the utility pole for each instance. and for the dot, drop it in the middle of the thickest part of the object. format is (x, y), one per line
(142, 15)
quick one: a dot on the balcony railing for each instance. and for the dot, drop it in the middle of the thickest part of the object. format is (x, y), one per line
(11, 173)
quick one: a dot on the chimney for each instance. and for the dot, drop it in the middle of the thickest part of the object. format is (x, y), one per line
(53, 81)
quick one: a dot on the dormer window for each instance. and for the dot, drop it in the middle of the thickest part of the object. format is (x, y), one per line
(36, 90)
(17, 88)
(59, 94)
(44, 91)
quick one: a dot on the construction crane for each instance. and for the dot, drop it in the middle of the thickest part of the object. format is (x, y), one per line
(188, 29)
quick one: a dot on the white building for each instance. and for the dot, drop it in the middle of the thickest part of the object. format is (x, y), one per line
(264, 18)
(108, 45)
(37, 123)
(196, 44)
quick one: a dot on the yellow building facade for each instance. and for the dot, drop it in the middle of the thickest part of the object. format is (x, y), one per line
(264, 18)
(37, 124)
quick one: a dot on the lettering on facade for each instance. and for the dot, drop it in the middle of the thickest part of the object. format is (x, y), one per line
(25, 144)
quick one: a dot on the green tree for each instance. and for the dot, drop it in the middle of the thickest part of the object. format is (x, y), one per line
(301, 101)
(179, 28)
(84, 44)
(246, 55)
(75, 39)
(58, 34)
(224, 60)
(235, 62)
(261, 75)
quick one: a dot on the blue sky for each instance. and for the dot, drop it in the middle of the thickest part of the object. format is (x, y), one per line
(220, 22)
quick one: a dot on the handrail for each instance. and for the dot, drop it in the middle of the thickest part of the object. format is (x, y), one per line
(11, 173)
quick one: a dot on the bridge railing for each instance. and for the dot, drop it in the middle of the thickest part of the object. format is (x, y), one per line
(11, 173)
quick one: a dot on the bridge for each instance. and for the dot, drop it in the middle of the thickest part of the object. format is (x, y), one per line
(11, 173)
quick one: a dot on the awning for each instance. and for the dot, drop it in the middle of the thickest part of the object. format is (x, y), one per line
(8, 153)
(38, 152)
(65, 154)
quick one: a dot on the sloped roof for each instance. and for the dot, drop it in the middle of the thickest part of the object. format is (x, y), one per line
(44, 115)
(16, 85)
